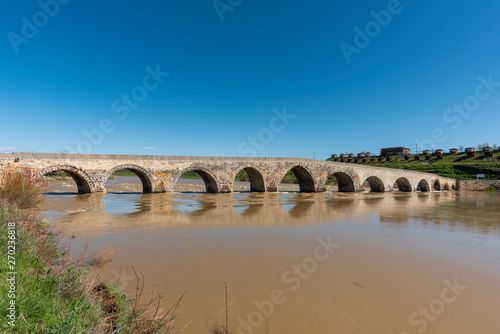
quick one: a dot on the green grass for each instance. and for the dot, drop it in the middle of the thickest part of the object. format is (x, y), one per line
(124, 172)
(491, 189)
(44, 301)
(289, 178)
(191, 175)
(456, 166)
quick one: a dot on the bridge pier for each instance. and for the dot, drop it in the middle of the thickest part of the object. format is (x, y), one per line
(225, 188)
(99, 187)
(272, 186)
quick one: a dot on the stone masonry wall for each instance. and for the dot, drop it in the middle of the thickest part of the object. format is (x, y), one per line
(477, 185)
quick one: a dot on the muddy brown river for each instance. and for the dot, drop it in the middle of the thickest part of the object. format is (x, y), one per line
(385, 263)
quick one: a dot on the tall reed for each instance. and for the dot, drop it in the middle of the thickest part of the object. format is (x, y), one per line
(23, 189)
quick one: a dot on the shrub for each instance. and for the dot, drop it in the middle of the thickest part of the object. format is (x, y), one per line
(23, 189)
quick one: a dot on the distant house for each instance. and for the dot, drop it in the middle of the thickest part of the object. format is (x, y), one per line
(439, 152)
(471, 151)
(454, 150)
(368, 154)
(352, 155)
(335, 155)
(395, 151)
(487, 149)
(426, 152)
(342, 155)
(361, 155)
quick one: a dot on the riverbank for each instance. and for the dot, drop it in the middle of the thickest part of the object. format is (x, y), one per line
(47, 290)
(41, 299)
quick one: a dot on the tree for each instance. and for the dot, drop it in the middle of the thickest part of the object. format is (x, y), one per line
(495, 147)
(461, 148)
(481, 146)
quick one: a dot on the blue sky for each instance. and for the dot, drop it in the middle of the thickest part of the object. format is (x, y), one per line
(66, 72)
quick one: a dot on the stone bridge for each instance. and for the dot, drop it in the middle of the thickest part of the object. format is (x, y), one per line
(160, 173)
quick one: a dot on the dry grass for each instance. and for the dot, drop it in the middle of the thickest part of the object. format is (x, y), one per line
(22, 189)
(224, 329)
(102, 257)
(150, 317)
(121, 314)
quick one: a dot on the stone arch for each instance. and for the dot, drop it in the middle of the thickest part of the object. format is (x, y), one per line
(81, 178)
(143, 174)
(453, 186)
(446, 186)
(345, 182)
(304, 177)
(211, 183)
(437, 185)
(257, 183)
(376, 184)
(403, 185)
(423, 186)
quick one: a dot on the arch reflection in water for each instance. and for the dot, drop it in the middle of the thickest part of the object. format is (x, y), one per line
(248, 204)
(130, 213)
(298, 204)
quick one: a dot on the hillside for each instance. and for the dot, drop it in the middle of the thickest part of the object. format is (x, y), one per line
(458, 166)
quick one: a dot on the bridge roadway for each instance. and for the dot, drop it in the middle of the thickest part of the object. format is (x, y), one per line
(160, 173)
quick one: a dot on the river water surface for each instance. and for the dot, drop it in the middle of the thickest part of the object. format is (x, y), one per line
(388, 263)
